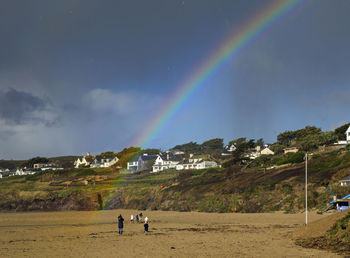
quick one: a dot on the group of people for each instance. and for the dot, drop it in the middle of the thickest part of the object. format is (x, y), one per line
(138, 220)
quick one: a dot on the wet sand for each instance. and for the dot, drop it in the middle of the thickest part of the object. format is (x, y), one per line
(172, 234)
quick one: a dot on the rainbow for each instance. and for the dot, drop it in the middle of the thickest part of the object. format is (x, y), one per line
(225, 52)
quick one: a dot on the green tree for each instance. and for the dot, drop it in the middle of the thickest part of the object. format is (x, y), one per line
(30, 163)
(340, 132)
(126, 155)
(242, 146)
(212, 146)
(286, 137)
(277, 148)
(151, 151)
(312, 142)
(260, 142)
(191, 147)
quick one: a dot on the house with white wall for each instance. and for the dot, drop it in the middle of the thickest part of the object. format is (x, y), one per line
(267, 151)
(165, 161)
(104, 162)
(196, 164)
(85, 161)
(24, 171)
(348, 135)
(132, 164)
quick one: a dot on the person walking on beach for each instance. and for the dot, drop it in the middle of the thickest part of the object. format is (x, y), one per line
(137, 218)
(146, 225)
(132, 218)
(120, 224)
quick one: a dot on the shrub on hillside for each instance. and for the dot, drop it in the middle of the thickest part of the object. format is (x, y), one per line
(290, 157)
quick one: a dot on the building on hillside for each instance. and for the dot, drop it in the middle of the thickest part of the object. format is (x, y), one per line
(23, 171)
(177, 152)
(85, 161)
(145, 162)
(51, 167)
(4, 172)
(104, 162)
(45, 166)
(291, 149)
(228, 149)
(196, 164)
(345, 181)
(253, 153)
(267, 151)
(132, 164)
(39, 165)
(165, 161)
(347, 139)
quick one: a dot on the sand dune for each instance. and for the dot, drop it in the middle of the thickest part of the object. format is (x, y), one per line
(172, 234)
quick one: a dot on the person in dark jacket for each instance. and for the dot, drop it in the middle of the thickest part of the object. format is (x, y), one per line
(146, 226)
(120, 224)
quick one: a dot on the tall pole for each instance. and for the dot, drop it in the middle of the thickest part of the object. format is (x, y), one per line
(306, 188)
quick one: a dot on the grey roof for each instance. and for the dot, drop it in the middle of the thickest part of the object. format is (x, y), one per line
(170, 157)
(148, 157)
(99, 159)
(347, 178)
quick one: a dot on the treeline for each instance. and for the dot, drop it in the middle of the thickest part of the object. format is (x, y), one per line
(208, 147)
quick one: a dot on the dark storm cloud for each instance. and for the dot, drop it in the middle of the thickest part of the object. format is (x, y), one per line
(18, 107)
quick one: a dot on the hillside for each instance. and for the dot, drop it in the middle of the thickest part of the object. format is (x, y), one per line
(231, 189)
(330, 233)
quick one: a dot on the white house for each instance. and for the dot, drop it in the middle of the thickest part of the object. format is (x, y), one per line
(23, 172)
(104, 162)
(196, 164)
(51, 167)
(132, 164)
(84, 161)
(348, 135)
(165, 161)
(267, 151)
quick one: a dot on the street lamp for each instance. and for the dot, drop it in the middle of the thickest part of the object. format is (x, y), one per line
(306, 188)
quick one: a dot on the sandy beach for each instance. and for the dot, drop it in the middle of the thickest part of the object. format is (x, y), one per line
(171, 234)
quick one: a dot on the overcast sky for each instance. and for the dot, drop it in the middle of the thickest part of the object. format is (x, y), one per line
(89, 75)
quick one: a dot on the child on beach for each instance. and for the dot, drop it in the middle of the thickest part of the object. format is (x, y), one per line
(132, 218)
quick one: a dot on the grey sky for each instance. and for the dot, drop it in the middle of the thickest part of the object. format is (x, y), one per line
(78, 76)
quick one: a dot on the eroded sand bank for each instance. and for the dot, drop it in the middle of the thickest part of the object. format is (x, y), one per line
(175, 234)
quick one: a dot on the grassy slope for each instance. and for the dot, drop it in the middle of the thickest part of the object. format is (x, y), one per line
(213, 190)
(331, 233)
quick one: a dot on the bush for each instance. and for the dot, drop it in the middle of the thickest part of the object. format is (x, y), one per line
(290, 157)
(86, 172)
